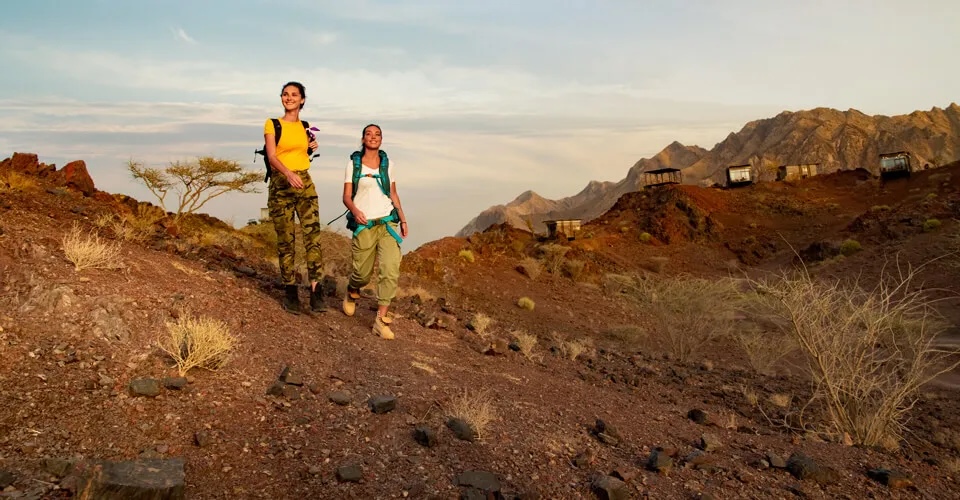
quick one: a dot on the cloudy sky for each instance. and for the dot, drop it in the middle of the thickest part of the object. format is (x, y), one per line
(478, 101)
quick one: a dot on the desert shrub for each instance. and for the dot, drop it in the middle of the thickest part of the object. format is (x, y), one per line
(645, 237)
(474, 408)
(868, 351)
(850, 247)
(572, 349)
(930, 225)
(630, 335)
(764, 349)
(466, 255)
(687, 312)
(480, 323)
(573, 268)
(617, 283)
(526, 303)
(138, 225)
(530, 267)
(197, 342)
(880, 208)
(553, 256)
(88, 251)
(525, 341)
(15, 181)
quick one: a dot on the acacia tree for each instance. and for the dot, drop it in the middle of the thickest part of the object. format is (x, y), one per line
(194, 183)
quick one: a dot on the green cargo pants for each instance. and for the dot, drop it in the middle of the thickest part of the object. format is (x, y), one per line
(286, 205)
(376, 242)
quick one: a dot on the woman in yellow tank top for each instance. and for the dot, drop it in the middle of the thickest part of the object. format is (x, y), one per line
(292, 196)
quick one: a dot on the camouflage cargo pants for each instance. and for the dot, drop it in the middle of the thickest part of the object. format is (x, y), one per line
(286, 205)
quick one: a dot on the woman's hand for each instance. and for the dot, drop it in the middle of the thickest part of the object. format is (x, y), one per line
(295, 181)
(359, 217)
(403, 229)
(314, 145)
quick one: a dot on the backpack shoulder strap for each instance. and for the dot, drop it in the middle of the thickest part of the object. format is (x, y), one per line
(384, 173)
(356, 157)
(306, 127)
(277, 129)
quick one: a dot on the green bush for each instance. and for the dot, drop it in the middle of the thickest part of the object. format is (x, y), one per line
(466, 255)
(645, 237)
(850, 247)
(930, 225)
(526, 303)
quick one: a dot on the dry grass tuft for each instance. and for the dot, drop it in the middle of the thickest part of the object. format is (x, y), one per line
(525, 341)
(480, 323)
(687, 313)
(573, 268)
(526, 303)
(553, 256)
(198, 342)
(868, 350)
(530, 267)
(474, 408)
(89, 251)
(750, 395)
(15, 181)
(423, 366)
(781, 400)
(572, 349)
(467, 255)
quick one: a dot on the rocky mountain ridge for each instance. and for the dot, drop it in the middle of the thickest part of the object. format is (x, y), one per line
(837, 140)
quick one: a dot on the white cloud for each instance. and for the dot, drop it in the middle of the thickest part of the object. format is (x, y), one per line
(181, 35)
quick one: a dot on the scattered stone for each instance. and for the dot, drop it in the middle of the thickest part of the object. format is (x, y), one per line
(486, 482)
(697, 459)
(660, 462)
(497, 347)
(147, 479)
(382, 404)
(709, 442)
(584, 458)
(202, 438)
(513, 346)
(349, 473)
(776, 461)
(339, 397)
(698, 416)
(246, 271)
(57, 467)
(610, 488)
(315, 388)
(291, 392)
(462, 429)
(302, 420)
(425, 435)
(6, 479)
(804, 467)
(145, 387)
(623, 473)
(891, 477)
(294, 379)
(276, 389)
(175, 383)
(606, 433)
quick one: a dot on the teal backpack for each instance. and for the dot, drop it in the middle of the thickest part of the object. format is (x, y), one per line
(383, 180)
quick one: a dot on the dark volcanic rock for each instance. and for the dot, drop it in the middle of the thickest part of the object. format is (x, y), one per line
(462, 429)
(349, 473)
(146, 387)
(486, 482)
(425, 435)
(610, 488)
(175, 383)
(803, 467)
(382, 403)
(697, 415)
(152, 479)
(891, 477)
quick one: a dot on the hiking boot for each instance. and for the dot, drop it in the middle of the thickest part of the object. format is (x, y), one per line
(350, 302)
(381, 327)
(316, 300)
(291, 300)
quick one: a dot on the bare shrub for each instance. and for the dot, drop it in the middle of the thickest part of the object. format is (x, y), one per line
(474, 408)
(525, 341)
(868, 350)
(198, 342)
(480, 323)
(686, 313)
(764, 349)
(88, 251)
(553, 256)
(530, 267)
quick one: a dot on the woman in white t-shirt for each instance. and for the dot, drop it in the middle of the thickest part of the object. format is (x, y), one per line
(378, 224)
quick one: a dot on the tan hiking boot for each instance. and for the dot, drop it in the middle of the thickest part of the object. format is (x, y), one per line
(381, 327)
(350, 302)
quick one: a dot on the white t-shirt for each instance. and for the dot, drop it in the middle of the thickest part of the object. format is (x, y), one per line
(370, 199)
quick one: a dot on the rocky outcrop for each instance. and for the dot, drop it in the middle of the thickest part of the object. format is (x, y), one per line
(837, 140)
(73, 175)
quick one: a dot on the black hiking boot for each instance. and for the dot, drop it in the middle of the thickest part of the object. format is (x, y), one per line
(316, 299)
(291, 300)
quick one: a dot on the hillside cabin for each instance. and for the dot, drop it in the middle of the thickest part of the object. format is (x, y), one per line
(895, 164)
(661, 177)
(569, 227)
(797, 172)
(739, 175)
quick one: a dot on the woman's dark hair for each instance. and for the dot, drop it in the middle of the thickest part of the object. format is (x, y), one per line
(299, 86)
(363, 147)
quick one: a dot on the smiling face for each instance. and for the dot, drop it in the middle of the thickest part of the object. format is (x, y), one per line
(292, 98)
(372, 137)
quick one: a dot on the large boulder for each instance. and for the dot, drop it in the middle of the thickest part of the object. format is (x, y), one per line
(27, 163)
(75, 175)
